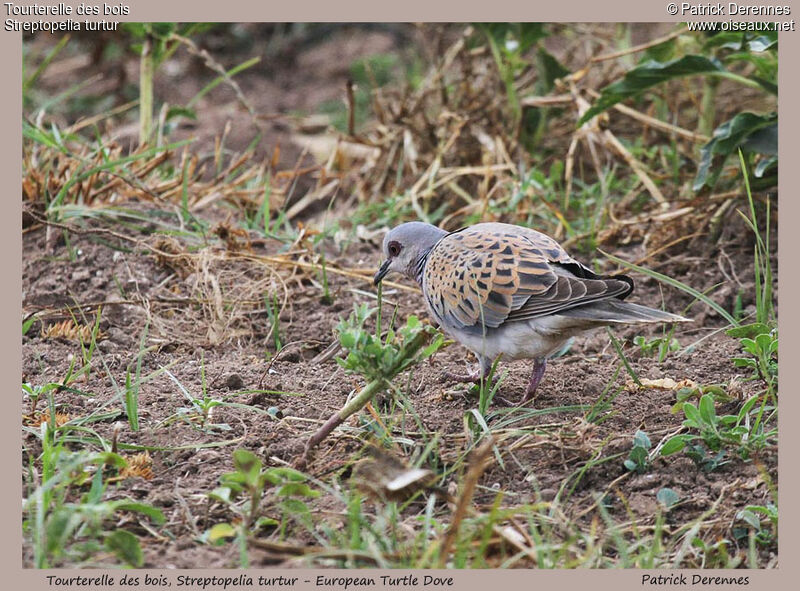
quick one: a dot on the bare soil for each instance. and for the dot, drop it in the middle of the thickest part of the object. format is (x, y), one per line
(183, 474)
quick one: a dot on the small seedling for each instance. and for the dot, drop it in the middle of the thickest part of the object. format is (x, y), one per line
(36, 392)
(744, 432)
(376, 358)
(250, 481)
(704, 459)
(764, 350)
(667, 497)
(717, 391)
(753, 515)
(133, 384)
(488, 387)
(87, 349)
(201, 408)
(638, 460)
(326, 299)
(27, 323)
(273, 314)
(659, 347)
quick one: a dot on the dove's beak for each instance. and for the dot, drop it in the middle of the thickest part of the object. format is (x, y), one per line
(381, 272)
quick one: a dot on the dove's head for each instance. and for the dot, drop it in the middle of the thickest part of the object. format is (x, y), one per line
(405, 246)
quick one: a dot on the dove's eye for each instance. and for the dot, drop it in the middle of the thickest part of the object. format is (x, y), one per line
(394, 249)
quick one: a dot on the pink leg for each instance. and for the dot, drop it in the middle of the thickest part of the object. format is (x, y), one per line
(539, 365)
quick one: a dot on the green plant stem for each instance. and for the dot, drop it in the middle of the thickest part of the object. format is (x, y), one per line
(708, 107)
(621, 355)
(737, 78)
(675, 283)
(28, 82)
(219, 79)
(360, 400)
(379, 315)
(146, 69)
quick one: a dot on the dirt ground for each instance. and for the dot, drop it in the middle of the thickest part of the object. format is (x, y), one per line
(184, 475)
(135, 290)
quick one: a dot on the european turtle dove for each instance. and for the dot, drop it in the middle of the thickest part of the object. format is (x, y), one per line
(500, 289)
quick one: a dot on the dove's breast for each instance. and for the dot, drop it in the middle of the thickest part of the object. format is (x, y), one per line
(538, 338)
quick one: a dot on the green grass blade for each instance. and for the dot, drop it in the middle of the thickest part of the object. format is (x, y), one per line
(677, 284)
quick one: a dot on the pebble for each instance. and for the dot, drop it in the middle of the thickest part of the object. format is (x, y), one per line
(548, 494)
(106, 346)
(234, 382)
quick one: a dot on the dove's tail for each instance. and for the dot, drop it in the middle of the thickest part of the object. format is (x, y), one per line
(613, 311)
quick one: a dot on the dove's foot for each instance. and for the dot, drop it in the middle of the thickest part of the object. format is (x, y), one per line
(473, 377)
(539, 365)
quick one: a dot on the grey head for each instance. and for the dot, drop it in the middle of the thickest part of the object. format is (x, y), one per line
(405, 248)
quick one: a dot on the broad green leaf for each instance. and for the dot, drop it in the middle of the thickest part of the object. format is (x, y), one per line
(707, 410)
(637, 459)
(748, 330)
(744, 362)
(222, 494)
(739, 41)
(155, 514)
(246, 461)
(750, 346)
(283, 474)
(675, 444)
(764, 165)
(650, 74)
(236, 481)
(298, 489)
(348, 340)
(26, 324)
(765, 343)
(667, 497)
(176, 111)
(763, 141)
(756, 133)
(640, 439)
(125, 546)
(747, 407)
(221, 531)
(693, 416)
(750, 518)
(434, 346)
(264, 522)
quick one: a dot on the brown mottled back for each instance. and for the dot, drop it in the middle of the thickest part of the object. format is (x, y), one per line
(487, 273)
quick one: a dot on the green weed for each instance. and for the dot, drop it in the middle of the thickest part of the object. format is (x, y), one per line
(243, 492)
(658, 347)
(745, 432)
(74, 531)
(638, 458)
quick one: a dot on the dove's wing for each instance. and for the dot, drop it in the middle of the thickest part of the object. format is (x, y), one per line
(488, 274)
